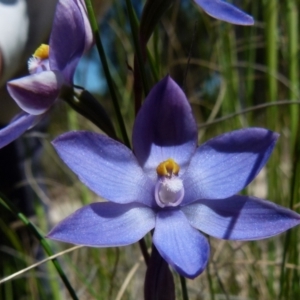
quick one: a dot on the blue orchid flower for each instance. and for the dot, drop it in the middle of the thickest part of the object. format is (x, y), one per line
(50, 68)
(169, 185)
(224, 11)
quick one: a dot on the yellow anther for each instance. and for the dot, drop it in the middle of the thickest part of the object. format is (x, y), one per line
(42, 52)
(167, 168)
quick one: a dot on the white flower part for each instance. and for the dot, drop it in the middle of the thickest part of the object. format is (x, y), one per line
(169, 191)
(37, 65)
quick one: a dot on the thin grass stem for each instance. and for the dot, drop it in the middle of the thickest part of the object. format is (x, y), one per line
(11, 207)
(293, 65)
(109, 80)
(271, 36)
(137, 45)
(248, 110)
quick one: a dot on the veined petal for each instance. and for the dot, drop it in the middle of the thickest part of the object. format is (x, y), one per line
(89, 38)
(227, 163)
(36, 93)
(182, 246)
(105, 225)
(164, 128)
(240, 218)
(224, 11)
(67, 40)
(17, 127)
(106, 166)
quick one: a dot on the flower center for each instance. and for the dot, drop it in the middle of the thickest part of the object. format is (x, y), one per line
(169, 190)
(42, 52)
(39, 61)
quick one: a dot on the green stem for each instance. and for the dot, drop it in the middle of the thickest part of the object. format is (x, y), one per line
(137, 45)
(228, 59)
(14, 210)
(292, 33)
(210, 282)
(153, 66)
(289, 278)
(106, 70)
(251, 53)
(185, 295)
(271, 35)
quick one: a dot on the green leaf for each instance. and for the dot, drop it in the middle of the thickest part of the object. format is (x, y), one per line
(152, 12)
(85, 104)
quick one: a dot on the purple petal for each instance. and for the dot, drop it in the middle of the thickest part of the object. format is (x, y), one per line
(105, 225)
(224, 11)
(89, 38)
(226, 164)
(17, 127)
(240, 218)
(107, 167)
(182, 246)
(68, 37)
(36, 93)
(164, 127)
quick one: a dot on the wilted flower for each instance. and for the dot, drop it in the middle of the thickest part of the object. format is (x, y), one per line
(224, 11)
(169, 184)
(50, 68)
